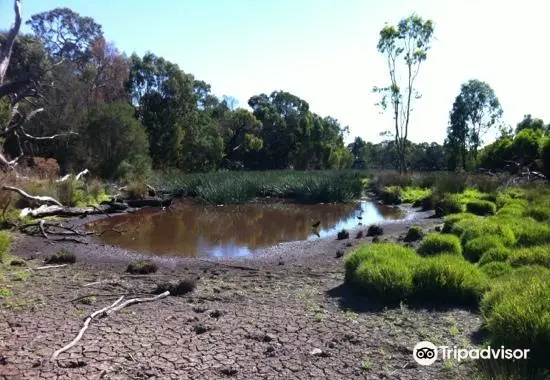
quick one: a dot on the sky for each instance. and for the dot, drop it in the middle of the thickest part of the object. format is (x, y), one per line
(324, 51)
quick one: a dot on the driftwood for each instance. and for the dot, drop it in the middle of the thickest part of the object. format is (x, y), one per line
(51, 267)
(37, 198)
(117, 305)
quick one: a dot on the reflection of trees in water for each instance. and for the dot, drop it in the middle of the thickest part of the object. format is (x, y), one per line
(254, 226)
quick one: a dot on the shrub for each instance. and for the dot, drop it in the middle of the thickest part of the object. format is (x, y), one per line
(435, 244)
(178, 288)
(449, 205)
(342, 235)
(428, 202)
(539, 255)
(61, 257)
(496, 269)
(383, 271)
(475, 248)
(512, 209)
(539, 212)
(414, 194)
(449, 279)
(414, 233)
(5, 242)
(136, 190)
(391, 195)
(142, 267)
(452, 219)
(375, 230)
(497, 254)
(479, 227)
(517, 310)
(530, 233)
(480, 207)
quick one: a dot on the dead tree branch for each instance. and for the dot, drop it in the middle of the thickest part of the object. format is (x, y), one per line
(37, 198)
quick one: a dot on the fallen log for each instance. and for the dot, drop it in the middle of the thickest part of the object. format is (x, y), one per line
(36, 198)
(151, 202)
(66, 211)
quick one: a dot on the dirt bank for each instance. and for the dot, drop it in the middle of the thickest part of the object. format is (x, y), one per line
(284, 314)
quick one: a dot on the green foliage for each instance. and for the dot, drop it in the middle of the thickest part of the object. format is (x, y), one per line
(496, 269)
(5, 243)
(516, 312)
(541, 213)
(480, 227)
(530, 233)
(480, 207)
(414, 233)
(496, 254)
(545, 155)
(435, 244)
(538, 255)
(414, 194)
(452, 219)
(451, 204)
(476, 248)
(391, 195)
(449, 279)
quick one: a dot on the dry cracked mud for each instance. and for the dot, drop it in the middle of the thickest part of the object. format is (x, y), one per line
(286, 316)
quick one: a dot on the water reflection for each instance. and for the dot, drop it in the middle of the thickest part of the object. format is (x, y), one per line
(229, 231)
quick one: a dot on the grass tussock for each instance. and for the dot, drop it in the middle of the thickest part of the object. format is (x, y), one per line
(142, 267)
(436, 244)
(538, 255)
(5, 243)
(61, 257)
(343, 235)
(177, 288)
(414, 233)
(481, 207)
(375, 230)
(476, 248)
(496, 269)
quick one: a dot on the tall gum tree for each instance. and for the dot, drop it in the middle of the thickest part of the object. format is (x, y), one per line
(405, 47)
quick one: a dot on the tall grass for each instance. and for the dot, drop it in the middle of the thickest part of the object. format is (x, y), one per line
(241, 187)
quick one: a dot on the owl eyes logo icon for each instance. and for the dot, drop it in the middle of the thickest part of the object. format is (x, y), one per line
(425, 353)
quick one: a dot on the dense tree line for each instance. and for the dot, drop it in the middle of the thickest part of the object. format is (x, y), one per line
(131, 114)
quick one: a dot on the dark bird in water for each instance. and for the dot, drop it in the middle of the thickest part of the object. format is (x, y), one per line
(316, 224)
(359, 217)
(317, 233)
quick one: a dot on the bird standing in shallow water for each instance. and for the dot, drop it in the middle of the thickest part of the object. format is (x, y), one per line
(316, 224)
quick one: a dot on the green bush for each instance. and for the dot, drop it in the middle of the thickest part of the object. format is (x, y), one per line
(449, 205)
(452, 219)
(449, 279)
(475, 228)
(391, 195)
(540, 213)
(5, 242)
(539, 255)
(435, 244)
(517, 312)
(497, 254)
(482, 208)
(414, 233)
(390, 281)
(496, 269)
(531, 233)
(414, 194)
(475, 248)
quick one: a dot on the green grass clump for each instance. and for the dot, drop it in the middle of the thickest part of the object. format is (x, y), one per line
(496, 269)
(512, 209)
(5, 243)
(452, 219)
(475, 248)
(391, 195)
(540, 213)
(435, 244)
(5, 293)
(450, 204)
(480, 207)
(538, 255)
(142, 267)
(414, 194)
(414, 233)
(497, 254)
(176, 288)
(517, 312)
(61, 257)
(449, 279)
(530, 233)
(479, 227)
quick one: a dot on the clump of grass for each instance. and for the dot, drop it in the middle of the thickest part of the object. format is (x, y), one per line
(449, 279)
(496, 269)
(391, 195)
(414, 233)
(531, 233)
(359, 235)
(475, 248)
(516, 311)
(136, 190)
(5, 243)
(342, 235)
(375, 230)
(61, 257)
(435, 244)
(5, 293)
(178, 288)
(452, 219)
(70, 192)
(20, 275)
(539, 255)
(481, 207)
(142, 267)
(18, 262)
(90, 300)
(497, 254)
(540, 213)
(479, 227)
(450, 204)
(382, 270)
(414, 195)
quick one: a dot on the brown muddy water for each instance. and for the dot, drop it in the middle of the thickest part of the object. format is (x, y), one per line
(194, 230)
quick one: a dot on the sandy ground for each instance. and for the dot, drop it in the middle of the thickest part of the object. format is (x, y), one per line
(284, 314)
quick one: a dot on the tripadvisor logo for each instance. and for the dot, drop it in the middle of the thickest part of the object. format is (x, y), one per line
(426, 353)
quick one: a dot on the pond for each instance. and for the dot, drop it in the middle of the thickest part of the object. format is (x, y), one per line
(193, 230)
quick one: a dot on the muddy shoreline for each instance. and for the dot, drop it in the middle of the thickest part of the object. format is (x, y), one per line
(284, 314)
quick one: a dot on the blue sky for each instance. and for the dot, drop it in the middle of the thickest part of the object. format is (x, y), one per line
(325, 50)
